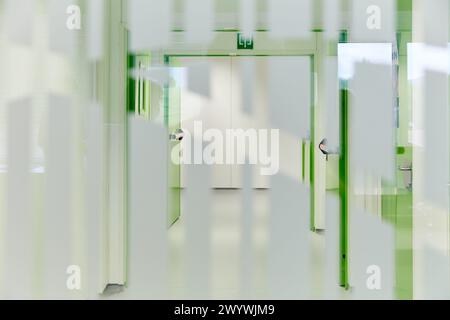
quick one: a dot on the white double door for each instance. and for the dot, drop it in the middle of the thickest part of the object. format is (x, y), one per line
(233, 93)
(220, 104)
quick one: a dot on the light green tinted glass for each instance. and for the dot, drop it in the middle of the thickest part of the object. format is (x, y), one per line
(397, 210)
(172, 96)
(397, 206)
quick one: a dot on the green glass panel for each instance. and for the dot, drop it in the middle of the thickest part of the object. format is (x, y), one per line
(397, 210)
(172, 109)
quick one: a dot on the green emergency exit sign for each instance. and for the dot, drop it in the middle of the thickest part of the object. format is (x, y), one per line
(244, 42)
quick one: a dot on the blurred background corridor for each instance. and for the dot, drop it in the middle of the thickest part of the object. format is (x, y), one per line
(224, 149)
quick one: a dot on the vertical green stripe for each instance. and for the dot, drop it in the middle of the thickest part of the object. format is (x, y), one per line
(343, 188)
(343, 179)
(131, 83)
(166, 94)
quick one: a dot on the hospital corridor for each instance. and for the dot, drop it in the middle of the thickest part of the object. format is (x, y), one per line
(195, 151)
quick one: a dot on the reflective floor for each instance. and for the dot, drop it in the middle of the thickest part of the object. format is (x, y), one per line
(229, 277)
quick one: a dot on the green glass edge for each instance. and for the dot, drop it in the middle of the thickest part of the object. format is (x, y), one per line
(343, 180)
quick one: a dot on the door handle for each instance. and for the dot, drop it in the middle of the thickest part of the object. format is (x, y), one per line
(407, 175)
(177, 135)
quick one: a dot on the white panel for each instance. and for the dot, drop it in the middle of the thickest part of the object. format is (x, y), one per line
(95, 188)
(260, 112)
(157, 75)
(290, 94)
(436, 275)
(290, 156)
(331, 18)
(150, 24)
(435, 19)
(211, 112)
(350, 54)
(371, 256)
(435, 107)
(116, 202)
(227, 110)
(199, 19)
(147, 251)
(436, 157)
(430, 152)
(197, 215)
(289, 266)
(247, 257)
(250, 72)
(19, 20)
(19, 232)
(247, 17)
(219, 117)
(63, 16)
(252, 87)
(332, 250)
(289, 104)
(372, 122)
(199, 77)
(57, 222)
(290, 18)
(332, 132)
(249, 109)
(373, 20)
(95, 18)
